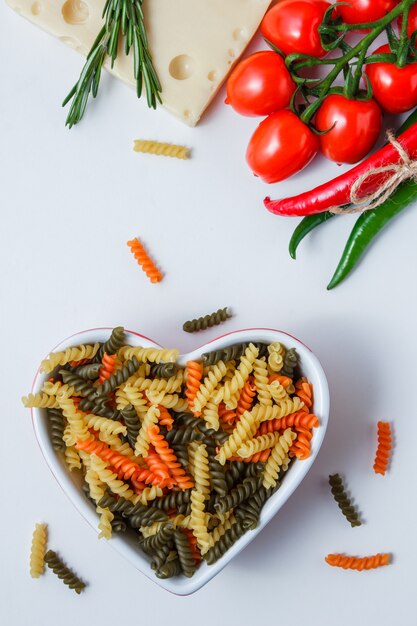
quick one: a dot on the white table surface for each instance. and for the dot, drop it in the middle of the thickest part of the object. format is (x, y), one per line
(69, 201)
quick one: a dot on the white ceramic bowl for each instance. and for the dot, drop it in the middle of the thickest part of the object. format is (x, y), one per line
(71, 483)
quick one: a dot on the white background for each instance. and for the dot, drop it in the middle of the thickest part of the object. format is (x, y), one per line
(69, 201)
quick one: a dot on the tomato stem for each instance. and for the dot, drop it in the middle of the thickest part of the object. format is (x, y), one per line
(360, 50)
(404, 45)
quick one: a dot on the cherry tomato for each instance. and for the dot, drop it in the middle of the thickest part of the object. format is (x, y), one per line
(362, 11)
(281, 146)
(356, 127)
(395, 88)
(260, 85)
(292, 26)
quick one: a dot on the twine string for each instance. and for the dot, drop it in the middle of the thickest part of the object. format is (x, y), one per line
(396, 173)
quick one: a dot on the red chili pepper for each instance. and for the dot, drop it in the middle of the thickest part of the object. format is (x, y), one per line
(337, 191)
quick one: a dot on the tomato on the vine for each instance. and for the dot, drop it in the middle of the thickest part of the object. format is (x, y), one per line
(395, 88)
(363, 11)
(354, 126)
(292, 26)
(260, 85)
(281, 146)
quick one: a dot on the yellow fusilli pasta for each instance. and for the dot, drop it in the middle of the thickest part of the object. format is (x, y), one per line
(40, 401)
(278, 391)
(105, 425)
(110, 478)
(219, 531)
(148, 494)
(72, 458)
(75, 419)
(161, 149)
(115, 443)
(260, 371)
(209, 385)
(104, 525)
(169, 401)
(278, 458)
(198, 520)
(211, 415)
(201, 470)
(142, 441)
(229, 392)
(157, 385)
(97, 486)
(244, 430)
(136, 398)
(263, 442)
(58, 389)
(70, 354)
(276, 353)
(37, 551)
(153, 355)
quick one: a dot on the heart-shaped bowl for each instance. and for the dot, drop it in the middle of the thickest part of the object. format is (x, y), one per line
(127, 544)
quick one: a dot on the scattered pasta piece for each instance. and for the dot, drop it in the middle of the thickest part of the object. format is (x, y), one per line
(345, 505)
(161, 149)
(144, 260)
(383, 452)
(207, 321)
(63, 572)
(358, 563)
(37, 552)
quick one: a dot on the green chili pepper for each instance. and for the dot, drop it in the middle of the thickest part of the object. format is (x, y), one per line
(368, 225)
(306, 225)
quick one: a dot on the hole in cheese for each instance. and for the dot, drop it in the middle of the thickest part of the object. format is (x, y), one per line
(212, 75)
(75, 12)
(36, 8)
(182, 67)
(240, 34)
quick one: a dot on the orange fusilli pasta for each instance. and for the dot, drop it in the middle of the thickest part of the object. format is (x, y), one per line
(246, 397)
(357, 563)
(144, 260)
(383, 452)
(108, 365)
(168, 457)
(299, 419)
(194, 372)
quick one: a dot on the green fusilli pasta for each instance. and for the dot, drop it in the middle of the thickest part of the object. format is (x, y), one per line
(344, 503)
(238, 494)
(63, 572)
(90, 371)
(56, 425)
(232, 353)
(163, 370)
(82, 386)
(202, 323)
(132, 423)
(169, 569)
(224, 543)
(155, 542)
(113, 343)
(290, 363)
(185, 555)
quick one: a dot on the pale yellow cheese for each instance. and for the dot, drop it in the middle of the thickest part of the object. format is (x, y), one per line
(194, 42)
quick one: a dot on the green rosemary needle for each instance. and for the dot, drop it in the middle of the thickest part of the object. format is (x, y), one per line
(123, 19)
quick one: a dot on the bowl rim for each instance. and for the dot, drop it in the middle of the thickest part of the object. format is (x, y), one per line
(181, 585)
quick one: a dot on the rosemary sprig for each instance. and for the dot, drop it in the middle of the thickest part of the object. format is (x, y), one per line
(123, 19)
